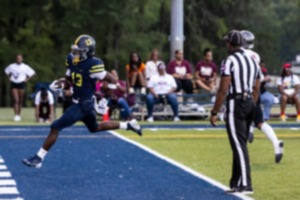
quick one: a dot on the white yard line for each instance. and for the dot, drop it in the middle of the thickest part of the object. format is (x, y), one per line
(179, 165)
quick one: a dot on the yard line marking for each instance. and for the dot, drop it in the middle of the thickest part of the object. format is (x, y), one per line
(3, 167)
(179, 165)
(5, 174)
(8, 190)
(18, 198)
(8, 182)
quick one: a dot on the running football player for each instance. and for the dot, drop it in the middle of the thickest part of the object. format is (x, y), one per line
(83, 70)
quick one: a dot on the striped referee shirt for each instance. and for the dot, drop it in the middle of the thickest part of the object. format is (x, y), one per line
(243, 71)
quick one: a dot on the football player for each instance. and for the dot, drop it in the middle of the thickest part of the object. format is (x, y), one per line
(83, 70)
(258, 119)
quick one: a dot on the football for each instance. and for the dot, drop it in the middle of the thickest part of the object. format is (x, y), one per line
(63, 83)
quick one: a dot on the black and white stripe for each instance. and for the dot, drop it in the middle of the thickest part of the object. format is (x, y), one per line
(243, 70)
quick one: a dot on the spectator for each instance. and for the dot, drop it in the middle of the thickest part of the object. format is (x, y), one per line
(136, 74)
(288, 86)
(18, 73)
(206, 72)
(266, 98)
(118, 98)
(162, 90)
(44, 106)
(181, 70)
(151, 65)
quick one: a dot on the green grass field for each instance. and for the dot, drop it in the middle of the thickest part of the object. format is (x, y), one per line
(209, 153)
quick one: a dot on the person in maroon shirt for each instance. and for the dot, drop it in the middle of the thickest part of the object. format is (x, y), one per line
(206, 72)
(118, 98)
(181, 70)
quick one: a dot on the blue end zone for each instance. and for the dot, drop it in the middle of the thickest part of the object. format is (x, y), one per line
(84, 166)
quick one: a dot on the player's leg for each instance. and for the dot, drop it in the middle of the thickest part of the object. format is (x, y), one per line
(269, 132)
(71, 116)
(90, 121)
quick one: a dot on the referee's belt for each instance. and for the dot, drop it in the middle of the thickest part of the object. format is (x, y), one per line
(244, 96)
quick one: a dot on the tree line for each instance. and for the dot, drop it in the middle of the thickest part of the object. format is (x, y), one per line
(43, 31)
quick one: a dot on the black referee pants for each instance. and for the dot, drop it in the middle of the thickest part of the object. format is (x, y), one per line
(239, 115)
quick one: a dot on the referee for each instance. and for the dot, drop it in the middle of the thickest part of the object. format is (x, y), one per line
(240, 86)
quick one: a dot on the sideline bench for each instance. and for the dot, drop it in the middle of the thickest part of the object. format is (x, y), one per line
(199, 108)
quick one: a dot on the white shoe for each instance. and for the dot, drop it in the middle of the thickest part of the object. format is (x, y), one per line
(17, 118)
(150, 119)
(176, 119)
(143, 90)
(131, 90)
(134, 126)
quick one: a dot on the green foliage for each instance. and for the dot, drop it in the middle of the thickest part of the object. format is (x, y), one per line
(44, 30)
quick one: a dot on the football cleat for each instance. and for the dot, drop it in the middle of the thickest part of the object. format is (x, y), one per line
(279, 156)
(134, 126)
(243, 190)
(34, 161)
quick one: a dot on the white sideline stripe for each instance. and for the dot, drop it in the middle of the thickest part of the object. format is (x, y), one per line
(7, 182)
(3, 167)
(8, 190)
(179, 165)
(18, 198)
(5, 174)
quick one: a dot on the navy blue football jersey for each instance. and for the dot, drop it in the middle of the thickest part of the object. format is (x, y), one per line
(84, 76)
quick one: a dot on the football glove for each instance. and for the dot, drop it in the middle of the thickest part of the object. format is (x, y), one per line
(101, 106)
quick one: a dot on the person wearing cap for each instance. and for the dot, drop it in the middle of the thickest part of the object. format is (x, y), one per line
(44, 106)
(162, 89)
(240, 81)
(288, 87)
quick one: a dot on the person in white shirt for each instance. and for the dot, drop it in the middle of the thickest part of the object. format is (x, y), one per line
(18, 73)
(44, 106)
(162, 89)
(151, 65)
(288, 86)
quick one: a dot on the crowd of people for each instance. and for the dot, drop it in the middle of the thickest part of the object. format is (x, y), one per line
(154, 80)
